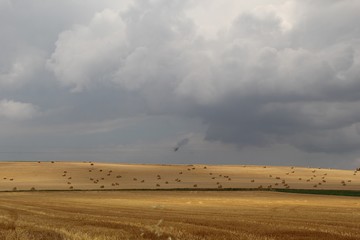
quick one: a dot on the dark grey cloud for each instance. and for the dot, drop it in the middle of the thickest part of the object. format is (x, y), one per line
(293, 89)
(181, 143)
(286, 73)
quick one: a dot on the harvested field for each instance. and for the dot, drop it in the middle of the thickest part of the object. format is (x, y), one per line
(93, 176)
(177, 215)
(70, 205)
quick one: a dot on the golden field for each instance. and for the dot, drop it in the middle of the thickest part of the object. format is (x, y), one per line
(72, 213)
(187, 215)
(90, 176)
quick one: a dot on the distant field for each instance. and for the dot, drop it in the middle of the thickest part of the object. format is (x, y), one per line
(187, 215)
(97, 176)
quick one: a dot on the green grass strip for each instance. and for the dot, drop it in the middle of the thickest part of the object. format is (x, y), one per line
(352, 193)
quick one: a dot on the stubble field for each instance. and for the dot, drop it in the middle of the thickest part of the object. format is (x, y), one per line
(51, 201)
(177, 215)
(105, 176)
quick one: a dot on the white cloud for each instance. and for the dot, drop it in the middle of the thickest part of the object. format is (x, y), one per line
(86, 54)
(17, 111)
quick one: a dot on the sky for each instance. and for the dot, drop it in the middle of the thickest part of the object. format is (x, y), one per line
(270, 82)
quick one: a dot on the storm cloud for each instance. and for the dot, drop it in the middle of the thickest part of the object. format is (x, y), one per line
(277, 72)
